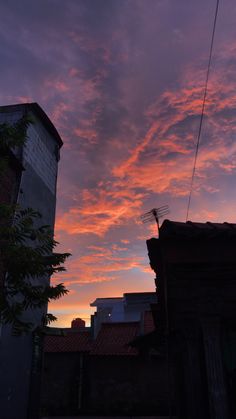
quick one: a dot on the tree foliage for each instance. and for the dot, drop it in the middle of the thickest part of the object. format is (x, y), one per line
(27, 256)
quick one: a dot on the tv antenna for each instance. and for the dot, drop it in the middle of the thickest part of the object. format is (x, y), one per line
(156, 214)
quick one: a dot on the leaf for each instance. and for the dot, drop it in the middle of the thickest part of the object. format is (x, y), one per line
(26, 249)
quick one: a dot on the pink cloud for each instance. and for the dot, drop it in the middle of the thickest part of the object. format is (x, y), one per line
(100, 264)
(125, 241)
(168, 134)
(58, 85)
(99, 212)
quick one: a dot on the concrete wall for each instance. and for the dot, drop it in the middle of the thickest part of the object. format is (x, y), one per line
(38, 191)
(128, 386)
(62, 374)
(128, 308)
(110, 385)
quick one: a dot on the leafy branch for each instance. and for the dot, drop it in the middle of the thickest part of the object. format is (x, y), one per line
(27, 257)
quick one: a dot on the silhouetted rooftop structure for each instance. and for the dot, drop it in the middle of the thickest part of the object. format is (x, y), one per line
(36, 109)
(172, 229)
(112, 339)
(195, 266)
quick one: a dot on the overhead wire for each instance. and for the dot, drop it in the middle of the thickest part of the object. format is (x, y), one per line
(203, 108)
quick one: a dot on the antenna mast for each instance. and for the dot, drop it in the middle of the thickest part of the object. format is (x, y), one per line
(155, 213)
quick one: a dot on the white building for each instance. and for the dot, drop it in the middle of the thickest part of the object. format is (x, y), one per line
(128, 308)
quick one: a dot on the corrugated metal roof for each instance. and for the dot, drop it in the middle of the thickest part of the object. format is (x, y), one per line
(79, 341)
(114, 339)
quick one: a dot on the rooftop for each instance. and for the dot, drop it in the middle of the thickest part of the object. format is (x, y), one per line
(105, 300)
(148, 322)
(127, 296)
(73, 341)
(39, 112)
(114, 339)
(172, 229)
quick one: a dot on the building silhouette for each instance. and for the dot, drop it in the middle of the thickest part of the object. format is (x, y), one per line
(196, 316)
(104, 373)
(30, 181)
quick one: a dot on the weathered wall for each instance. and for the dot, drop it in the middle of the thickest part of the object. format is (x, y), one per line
(110, 386)
(123, 385)
(62, 373)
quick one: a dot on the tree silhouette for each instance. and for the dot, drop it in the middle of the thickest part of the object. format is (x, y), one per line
(27, 257)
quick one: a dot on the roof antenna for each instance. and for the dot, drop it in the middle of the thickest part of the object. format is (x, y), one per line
(155, 213)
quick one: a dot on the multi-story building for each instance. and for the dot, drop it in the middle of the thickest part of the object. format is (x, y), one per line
(117, 372)
(128, 308)
(30, 181)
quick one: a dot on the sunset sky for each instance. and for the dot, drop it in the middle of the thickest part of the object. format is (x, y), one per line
(122, 80)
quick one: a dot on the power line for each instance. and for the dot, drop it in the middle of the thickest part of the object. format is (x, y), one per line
(203, 108)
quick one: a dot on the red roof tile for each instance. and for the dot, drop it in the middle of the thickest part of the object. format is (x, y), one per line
(114, 339)
(73, 342)
(148, 322)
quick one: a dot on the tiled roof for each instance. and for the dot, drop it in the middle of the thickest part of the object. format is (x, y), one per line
(148, 322)
(73, 342)
(191, 229)
(148, 337)
(114, 339)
